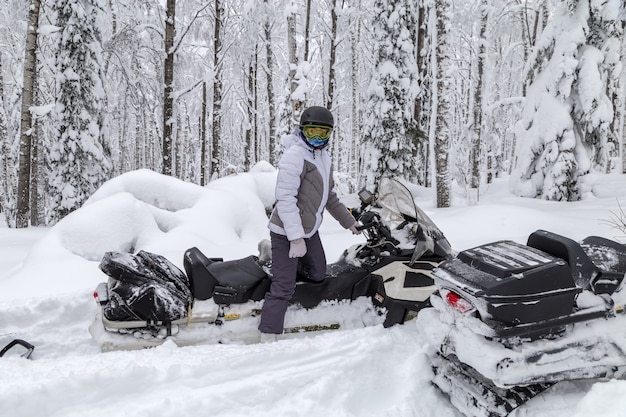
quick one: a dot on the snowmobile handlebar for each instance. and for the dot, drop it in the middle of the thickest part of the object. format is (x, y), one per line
(374, 229)
(368, 219)
(365, 226)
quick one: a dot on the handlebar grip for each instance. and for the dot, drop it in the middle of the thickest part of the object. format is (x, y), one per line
(365, 226)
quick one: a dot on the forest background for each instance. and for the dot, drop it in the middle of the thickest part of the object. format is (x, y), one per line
(442, 93)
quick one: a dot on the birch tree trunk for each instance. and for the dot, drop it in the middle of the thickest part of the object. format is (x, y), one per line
(168, 100)
(421, 70)
(37, 168)
(477, 130)
(6, 165)
(622, 112)
(615, 90)
(292, 46)
(271, 100)
(307, 29)
(354, 81)
(139, 161)
(250, 128)
(528, 34)
(423, 100)
(203, 151)
(331, 62)
(255, 106)
(443, 107)
(217, 90)
(26, 126)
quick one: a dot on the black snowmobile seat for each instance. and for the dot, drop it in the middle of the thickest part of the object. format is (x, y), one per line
(201, 281)
(238, 280)
(583, 270)
(227, 282)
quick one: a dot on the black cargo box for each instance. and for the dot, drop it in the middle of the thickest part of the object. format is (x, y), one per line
(511, 283)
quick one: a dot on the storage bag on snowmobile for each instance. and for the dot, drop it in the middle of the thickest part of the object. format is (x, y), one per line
(144, 287)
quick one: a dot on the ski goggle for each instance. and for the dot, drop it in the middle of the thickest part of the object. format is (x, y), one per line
(317, 132)
(317, 143)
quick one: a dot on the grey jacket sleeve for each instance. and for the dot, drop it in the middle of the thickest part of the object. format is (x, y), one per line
(336, 208)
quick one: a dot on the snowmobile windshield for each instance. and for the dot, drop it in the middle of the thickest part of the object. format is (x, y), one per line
(399, 212)
(397, 204)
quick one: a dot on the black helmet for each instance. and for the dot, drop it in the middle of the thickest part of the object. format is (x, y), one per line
(317, 115)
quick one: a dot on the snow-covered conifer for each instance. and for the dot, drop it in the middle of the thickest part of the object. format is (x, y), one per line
(565, 127)
(388, 145)
(79, 161)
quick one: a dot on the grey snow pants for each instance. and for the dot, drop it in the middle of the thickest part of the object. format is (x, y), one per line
(284, 272)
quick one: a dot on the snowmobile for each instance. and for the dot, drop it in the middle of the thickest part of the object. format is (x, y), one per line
(148, 300)
(511, 320)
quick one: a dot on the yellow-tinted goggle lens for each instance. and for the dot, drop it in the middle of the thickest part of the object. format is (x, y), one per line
(317, 132)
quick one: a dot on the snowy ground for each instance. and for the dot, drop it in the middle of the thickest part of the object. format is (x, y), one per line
(47, 276)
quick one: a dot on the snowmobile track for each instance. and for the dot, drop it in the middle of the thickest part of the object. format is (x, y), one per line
(476, 396)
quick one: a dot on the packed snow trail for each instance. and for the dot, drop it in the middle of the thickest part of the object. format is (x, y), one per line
(332, 374)
(57, 326)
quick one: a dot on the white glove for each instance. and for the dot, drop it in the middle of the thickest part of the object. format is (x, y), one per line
(354, 229)
(297, 248)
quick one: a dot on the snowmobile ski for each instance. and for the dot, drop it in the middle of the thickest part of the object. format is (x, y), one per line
(312, 328)
(17, 347)
(127, 339)
(216, 319)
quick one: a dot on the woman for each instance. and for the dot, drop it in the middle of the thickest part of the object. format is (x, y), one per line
(304, 188)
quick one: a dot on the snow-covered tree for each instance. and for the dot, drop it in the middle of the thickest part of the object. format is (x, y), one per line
(79, 161)
(218, 89)
(423, 101)
(250, 65)
(263, 41)
(26, 128)
(7, 163)
(389, 122)
(442, 104)
(12, 43)
(296, 87)
(477, 131)
(267, 14)
(565, 129)
(168, 88)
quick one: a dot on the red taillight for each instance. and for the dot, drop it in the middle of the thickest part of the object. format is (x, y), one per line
(457, 302)
(101, 294)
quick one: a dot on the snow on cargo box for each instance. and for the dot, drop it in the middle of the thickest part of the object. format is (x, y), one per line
(510, 282)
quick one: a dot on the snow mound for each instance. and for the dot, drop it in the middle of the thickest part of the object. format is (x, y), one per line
(144, 210)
